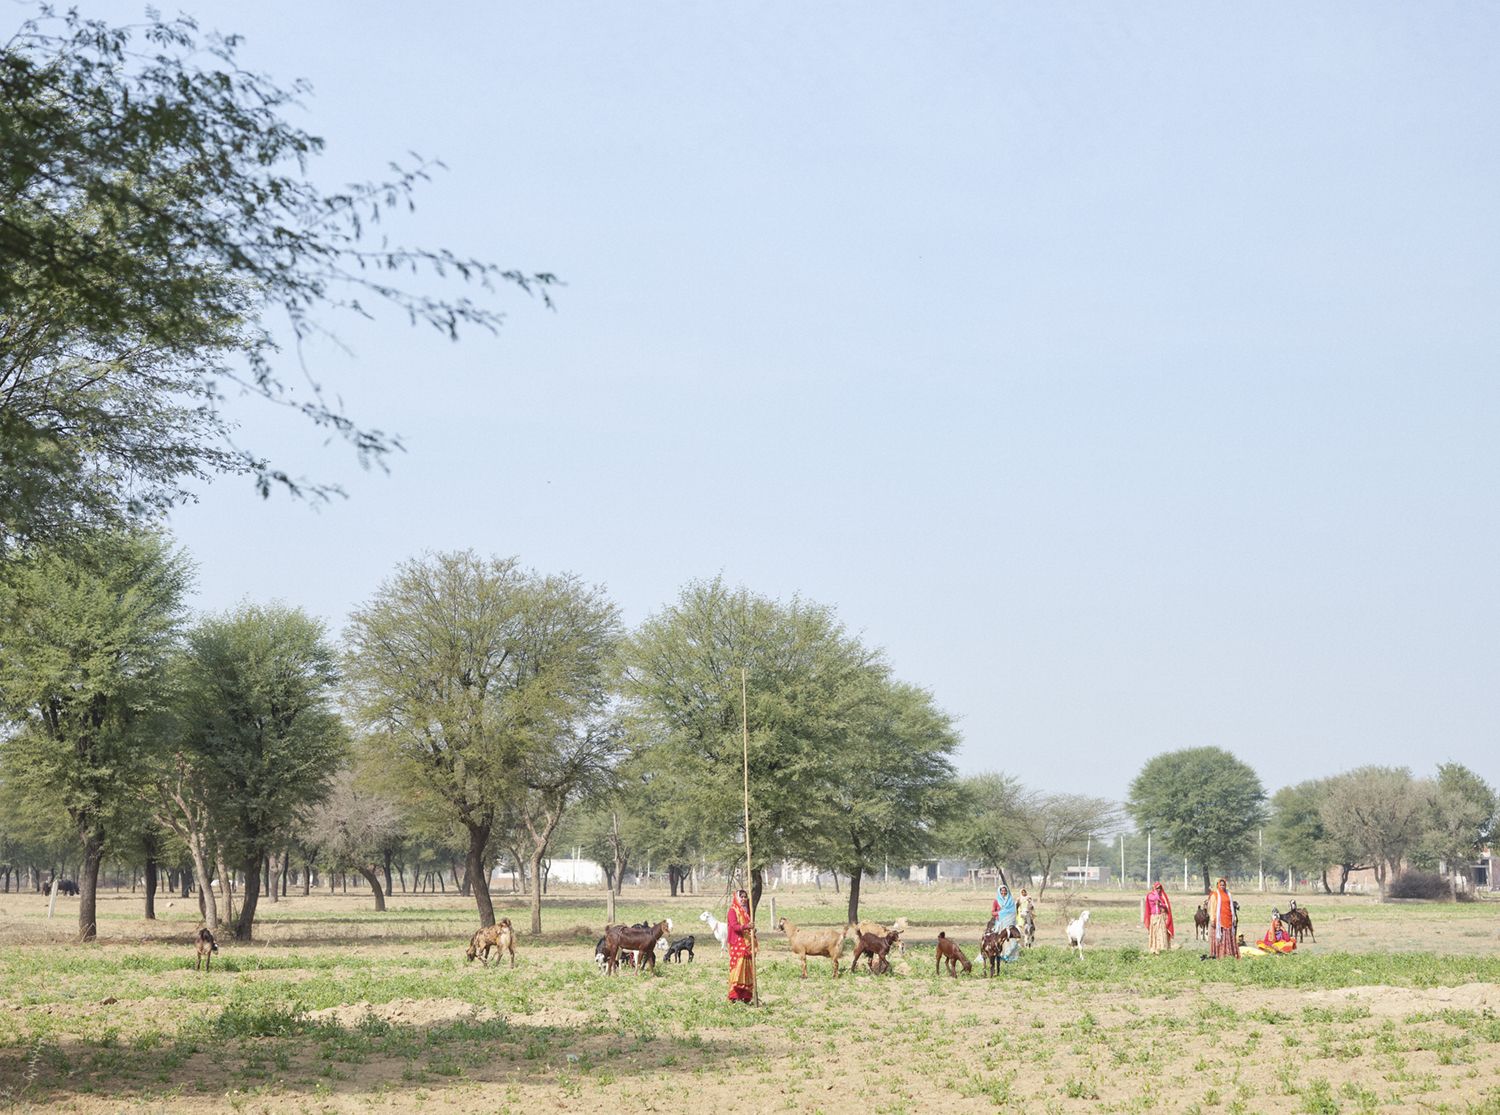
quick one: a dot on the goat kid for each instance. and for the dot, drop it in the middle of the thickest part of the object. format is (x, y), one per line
(877, 949)
(1075, 931)
(499, 938)
(948, 950)
(680, 946)
(717, 928)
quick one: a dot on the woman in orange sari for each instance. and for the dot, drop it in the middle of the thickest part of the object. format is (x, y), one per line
(1222, 941)
(741, 950)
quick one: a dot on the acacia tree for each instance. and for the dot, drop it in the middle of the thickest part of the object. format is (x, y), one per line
(257, 714)
(85, 632)
(1201, 802)
(156, 214)
(894, 785)
(1382, 812)
(1462, 821)
(986, 826)
(1051, 824)
(351, 827)
(463, 670)
(683, 685)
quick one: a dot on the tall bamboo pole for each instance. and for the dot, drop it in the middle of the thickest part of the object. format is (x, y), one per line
(749, 885)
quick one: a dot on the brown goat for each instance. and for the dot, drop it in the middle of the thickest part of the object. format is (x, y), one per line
(876, 948)
(1299, 922)
(500, 937)
(992, 947)
(1200, 921)
(630, 938)
(814, 942)
(898, 926)
(948, 950)
(207, 946)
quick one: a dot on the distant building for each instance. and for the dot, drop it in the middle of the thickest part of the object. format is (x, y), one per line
(581, 872)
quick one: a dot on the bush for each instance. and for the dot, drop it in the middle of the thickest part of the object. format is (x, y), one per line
(1420, 884)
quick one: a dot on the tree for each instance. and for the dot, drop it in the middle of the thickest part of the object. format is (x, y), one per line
(986, 824)
(894, 786)
(683, 683)
(87, 630)
(351, 827)
(157, 215)
(1201, 802)
(257, 715)
(1379, 812)
(463, 670)
(1052, 824)
(1463, 818)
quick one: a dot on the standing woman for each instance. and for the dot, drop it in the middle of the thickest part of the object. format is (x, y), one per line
(1221, 939)
(741, 950)
(1003, 912)
(1158, 915)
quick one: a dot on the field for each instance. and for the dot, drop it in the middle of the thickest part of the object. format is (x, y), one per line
(339, 1009)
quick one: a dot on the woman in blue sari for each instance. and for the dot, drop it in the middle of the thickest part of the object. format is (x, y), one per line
(1003, 913)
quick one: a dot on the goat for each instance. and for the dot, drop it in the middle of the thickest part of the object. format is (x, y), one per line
(500, 937)
(899, 926)
(1299, 921)
(815, 942)
(1075, 931)
(949, 951)
(636, 939)
(680, 946)
(1200, 921)
(207, 946)
(876, 948)
(993, 946)
(717, 928)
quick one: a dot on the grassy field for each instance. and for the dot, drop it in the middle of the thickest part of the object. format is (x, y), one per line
(339, 1009)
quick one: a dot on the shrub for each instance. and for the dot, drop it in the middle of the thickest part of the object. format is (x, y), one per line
(1420, 884)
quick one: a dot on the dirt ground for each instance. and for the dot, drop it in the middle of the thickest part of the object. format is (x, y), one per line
(337, 1009)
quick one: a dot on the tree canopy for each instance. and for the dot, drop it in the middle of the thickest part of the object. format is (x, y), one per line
(1202, 803)
(160, 229)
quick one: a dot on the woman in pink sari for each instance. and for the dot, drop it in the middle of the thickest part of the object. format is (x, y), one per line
(1158, 916)
(741, 950)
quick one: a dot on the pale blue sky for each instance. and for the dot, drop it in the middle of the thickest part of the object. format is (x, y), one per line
(1127, 371)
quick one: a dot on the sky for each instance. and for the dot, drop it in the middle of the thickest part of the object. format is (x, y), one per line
(1127, 372)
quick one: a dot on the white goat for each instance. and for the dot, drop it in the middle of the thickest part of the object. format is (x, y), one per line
(1075, 931)
(717, 928)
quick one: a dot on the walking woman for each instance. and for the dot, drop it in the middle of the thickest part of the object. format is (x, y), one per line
(1221, 938)
(741, 950)
(1158, 916)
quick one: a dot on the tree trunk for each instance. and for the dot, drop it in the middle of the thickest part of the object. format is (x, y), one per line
(273, 872)
(88, 886)
(671, 881)
(836, 889)
(536, 891)
(479, 874)
(243, 929)
(757, 886)
(374, 880)
(1326, 888)
(226, 885)
(150, 888)
(855, 877)
(390, 887)
(1207, 886)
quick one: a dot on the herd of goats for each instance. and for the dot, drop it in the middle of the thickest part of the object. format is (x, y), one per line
(639, 944)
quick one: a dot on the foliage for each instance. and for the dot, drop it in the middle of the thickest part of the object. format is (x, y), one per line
(1427, 885)
(351, 827)
(1051, 824)
(256, 713)
(1380, 812)
(87, 629)
(469, 676)
(1462, 821)
(1200, 802)
(806, 683)
(986, 827)
(157, 215)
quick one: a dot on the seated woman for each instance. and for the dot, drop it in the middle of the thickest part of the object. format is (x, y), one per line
(1278, 938)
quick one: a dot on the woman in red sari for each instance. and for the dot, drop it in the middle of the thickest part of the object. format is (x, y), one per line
(741, 950)
(1222, 941)
(1157, 911)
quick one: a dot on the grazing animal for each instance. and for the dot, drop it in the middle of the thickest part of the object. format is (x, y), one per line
(948, 950)
(1028, 923)
(899, 925)
(500, 938)
(876, 948)
(633, 938)
(717, 928)
(680, 946)
(815, 942)
(207, 946)
(993, 945)
(64, 886)
(1299, 921)
(1075, 931)
(1200, 921)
